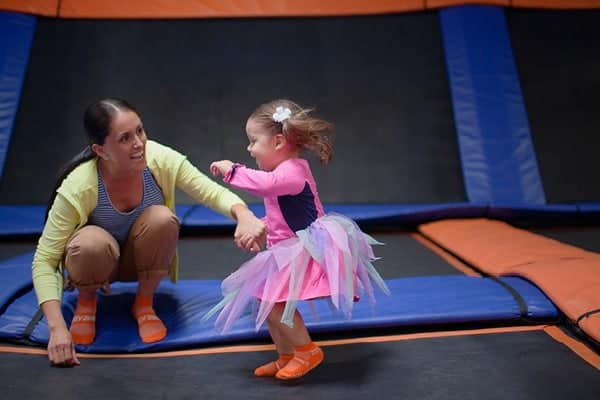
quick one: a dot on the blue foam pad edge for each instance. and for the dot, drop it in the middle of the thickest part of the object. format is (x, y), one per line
(418, 301)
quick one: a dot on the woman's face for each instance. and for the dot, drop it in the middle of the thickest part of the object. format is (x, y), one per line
(125, 144)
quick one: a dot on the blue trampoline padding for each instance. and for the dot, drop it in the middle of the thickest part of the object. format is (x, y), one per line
(588, 209)
(15, 278)
(361, 213)
(17, 316)
(496, 149)
(419, 301)
(545, 212)
(198, 216)
(21, 220)
(29, 220)
(16, 37)
(24, 220)
(538, 305)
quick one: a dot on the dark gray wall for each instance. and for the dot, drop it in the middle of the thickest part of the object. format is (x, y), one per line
(558, 58)
(381, 80)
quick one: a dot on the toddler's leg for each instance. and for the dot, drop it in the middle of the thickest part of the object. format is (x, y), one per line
(284, 348)
(307, 355)
(147, 257)
(91, 260)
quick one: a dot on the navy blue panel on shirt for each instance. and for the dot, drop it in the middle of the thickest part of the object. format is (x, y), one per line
(299, 211)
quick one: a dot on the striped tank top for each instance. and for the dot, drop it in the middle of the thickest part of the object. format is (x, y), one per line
(118, 223)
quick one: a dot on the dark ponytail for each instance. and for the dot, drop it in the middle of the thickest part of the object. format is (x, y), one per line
(83, 156)
(97, 120)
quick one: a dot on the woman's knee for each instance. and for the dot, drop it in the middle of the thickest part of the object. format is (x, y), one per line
(92, 255)
(158, 221)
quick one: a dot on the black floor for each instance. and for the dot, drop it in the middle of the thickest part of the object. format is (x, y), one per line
(523, 365)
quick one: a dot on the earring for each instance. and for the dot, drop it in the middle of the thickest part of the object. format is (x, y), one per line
(105, 157)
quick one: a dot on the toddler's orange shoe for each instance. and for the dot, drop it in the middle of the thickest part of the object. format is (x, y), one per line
(305, 359)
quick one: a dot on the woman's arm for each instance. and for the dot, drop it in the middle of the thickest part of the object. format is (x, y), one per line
(47, 279)
(206, 191)
(62, 222)
(61, 349)
(250, 231)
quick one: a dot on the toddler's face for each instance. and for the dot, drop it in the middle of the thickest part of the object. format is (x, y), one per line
(261, 146)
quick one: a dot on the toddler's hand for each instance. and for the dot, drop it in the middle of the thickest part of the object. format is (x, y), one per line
(220, 167)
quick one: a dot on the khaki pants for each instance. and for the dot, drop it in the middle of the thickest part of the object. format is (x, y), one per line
(93, 257)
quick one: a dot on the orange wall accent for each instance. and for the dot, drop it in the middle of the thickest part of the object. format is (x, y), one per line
(258, 8)
(559, 4)
(451, 3)
(46, 8)
(232, 8)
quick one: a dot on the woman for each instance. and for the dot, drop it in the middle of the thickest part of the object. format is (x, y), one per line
(112, 218)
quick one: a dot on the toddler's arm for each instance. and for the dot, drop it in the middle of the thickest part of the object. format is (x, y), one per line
(279, 182)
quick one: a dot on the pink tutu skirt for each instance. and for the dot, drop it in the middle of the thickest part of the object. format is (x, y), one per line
(331, 258)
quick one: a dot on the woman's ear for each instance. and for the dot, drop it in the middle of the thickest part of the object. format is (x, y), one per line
(96, 148)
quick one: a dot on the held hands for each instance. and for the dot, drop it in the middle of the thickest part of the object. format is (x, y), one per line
(250, 232)
(220, 167)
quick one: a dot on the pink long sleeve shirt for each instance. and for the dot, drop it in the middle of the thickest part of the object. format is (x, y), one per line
(290, 195)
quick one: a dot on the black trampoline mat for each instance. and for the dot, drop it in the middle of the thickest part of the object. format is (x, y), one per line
(216, 257)
(513, 365)
(586, 238)
(401, 256)
(380, 79)
(557, 57)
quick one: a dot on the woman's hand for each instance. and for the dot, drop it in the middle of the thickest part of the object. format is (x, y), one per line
(61, 349)
(220, 167)
(250, 232)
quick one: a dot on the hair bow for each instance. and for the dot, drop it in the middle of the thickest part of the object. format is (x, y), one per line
(281, 114)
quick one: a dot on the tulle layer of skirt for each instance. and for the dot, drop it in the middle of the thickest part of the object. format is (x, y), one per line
(331, 258)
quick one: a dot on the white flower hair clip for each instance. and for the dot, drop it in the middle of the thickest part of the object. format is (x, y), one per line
(281, 114)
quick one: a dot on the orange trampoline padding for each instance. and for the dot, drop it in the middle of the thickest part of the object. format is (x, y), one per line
(568, 275)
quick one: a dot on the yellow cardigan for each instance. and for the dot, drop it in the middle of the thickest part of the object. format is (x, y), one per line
(77, 197)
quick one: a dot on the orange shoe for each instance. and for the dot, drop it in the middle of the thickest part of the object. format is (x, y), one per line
(306, 358)
(83, 324)
(270, 369)
(150, 328)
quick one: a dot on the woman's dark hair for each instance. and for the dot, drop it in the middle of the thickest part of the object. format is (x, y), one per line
(97, 121)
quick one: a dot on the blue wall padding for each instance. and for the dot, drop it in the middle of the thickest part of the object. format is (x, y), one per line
(16, 36)
(496, 149)
(415, 301)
